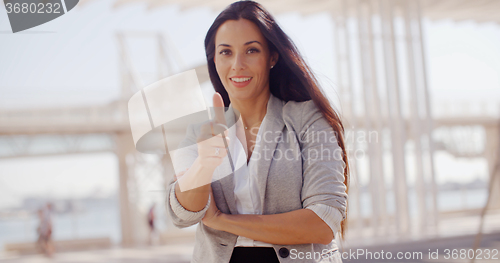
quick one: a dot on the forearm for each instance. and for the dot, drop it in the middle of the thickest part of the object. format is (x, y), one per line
(301, 226)
(193, 187)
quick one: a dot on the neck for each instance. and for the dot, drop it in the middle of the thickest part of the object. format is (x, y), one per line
(252, 110)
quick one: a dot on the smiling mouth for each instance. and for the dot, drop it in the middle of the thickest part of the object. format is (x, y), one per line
(240, 80)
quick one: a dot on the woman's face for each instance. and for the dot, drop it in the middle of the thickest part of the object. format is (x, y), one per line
(242, 59)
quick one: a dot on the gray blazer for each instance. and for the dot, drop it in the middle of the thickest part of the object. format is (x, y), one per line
(300, 165)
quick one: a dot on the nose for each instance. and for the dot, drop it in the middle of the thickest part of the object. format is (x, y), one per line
(239, 62)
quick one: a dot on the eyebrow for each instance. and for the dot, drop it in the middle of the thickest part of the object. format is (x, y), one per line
(247, 43)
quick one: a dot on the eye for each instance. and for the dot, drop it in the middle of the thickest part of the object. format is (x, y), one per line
(253, 50)
(224, 52)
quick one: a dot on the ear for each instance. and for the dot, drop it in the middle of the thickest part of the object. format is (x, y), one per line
(274, 58)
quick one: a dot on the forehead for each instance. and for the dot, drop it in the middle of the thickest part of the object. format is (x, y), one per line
(238, 32)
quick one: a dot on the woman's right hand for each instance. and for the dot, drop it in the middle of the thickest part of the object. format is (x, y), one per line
(211, 147)
(199, 175)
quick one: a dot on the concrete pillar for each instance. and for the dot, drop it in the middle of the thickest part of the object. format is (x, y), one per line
(372, 115)
(345, 80)
(492, 153)
(168, 175)
(124, 147)
(397, 129)
(429, 124)
(414, 124)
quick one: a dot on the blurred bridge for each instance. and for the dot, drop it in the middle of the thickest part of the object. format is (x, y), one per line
(105, 128)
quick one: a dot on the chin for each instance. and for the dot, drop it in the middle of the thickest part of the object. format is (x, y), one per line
(244, 93)
(241, 95)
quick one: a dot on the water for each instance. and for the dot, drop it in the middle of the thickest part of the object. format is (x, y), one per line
(103, 219)
(447, 201)
(99, 220)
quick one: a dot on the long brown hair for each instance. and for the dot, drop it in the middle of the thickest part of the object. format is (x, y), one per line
(290, 79)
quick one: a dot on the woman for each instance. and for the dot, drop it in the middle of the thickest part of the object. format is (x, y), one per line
(287, 202)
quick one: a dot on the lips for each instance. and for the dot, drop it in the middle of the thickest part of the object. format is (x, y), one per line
(240, 81)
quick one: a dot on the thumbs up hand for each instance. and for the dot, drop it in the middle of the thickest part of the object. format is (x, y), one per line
(211, 147)
(219, 118)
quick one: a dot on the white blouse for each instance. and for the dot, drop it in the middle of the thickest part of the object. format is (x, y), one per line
(246, 190)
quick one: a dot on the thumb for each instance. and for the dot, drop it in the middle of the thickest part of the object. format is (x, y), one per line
(219, 117)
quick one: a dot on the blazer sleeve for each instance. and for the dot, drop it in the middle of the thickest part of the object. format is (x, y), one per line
(184, 157)
(330, 215)
(182, 217)
(322, 163)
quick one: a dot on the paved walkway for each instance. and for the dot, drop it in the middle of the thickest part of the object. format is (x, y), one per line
(420, 251)
(181, 253)
(456, 234)
(161, 254)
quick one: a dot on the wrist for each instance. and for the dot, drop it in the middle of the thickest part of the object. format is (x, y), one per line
(221, 221)
(204, 167)
(196, 176)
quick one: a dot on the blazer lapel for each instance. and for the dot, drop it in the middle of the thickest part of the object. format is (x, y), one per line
(273, 127)
(227, 182)
(272, 131)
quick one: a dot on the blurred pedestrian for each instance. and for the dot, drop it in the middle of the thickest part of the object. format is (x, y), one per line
(45, 230)
(39, 233)
(151, 224)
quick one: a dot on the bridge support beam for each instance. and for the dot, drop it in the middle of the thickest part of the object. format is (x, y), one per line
(125, 146)
(492, 152)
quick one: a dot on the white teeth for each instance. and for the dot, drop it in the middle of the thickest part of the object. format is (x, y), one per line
(240, 79)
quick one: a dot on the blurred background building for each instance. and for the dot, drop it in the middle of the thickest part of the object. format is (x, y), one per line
(416, 81)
